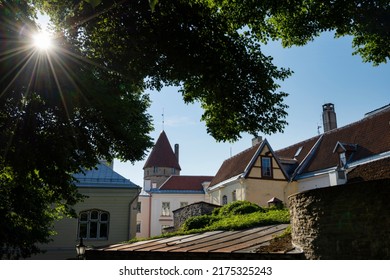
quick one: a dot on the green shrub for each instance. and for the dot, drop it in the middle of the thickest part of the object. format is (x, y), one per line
(198, 222)
(238, 208)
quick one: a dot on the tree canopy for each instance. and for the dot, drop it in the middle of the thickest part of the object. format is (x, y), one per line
(57, 115)
(85, 100)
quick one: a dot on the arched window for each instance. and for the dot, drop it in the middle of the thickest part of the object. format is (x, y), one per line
(234, 195)
(224, 200)
(93, 224)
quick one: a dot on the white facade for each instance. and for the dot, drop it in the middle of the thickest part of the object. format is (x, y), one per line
(163, 217)
(143, 215)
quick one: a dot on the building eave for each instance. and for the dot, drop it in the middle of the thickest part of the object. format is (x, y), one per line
(225, 182)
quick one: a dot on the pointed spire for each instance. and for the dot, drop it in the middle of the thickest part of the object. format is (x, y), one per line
(162, 154)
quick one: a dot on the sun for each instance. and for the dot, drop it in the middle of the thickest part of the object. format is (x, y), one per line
(42, 40)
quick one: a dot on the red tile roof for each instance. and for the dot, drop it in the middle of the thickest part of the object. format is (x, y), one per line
(364, 138)
(162, 154)
(185, 183)
(235, 165)
(371, 135)
(379, 169)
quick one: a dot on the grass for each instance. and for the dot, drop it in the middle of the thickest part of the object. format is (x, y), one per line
(233, 216)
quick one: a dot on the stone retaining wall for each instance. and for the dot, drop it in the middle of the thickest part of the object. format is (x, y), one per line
(196, 209)
(343, 222)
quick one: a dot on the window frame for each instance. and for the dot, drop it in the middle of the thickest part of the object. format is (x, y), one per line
(90, 221)
(234, 195)
(264, 173)
(224, 200)
(165, 211)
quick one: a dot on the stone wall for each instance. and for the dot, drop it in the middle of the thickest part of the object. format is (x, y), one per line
(351, 221)
(196, 209)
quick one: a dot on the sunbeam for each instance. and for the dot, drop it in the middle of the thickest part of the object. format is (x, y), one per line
(42, 40)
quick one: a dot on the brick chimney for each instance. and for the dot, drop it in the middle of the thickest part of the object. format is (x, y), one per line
(329, 117)
(256, 140)
(177, 152)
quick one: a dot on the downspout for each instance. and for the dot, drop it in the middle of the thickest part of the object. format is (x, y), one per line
(150, 214)
(130, 211)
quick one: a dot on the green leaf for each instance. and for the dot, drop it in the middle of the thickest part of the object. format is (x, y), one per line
(153, 4)
(93, 3)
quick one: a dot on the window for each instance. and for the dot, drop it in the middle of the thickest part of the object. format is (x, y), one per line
(155, 169)
(298, 151)
(266, 167)
(138, 230)
(224, 200)
(234, 195)
(183, 204)
(343, 159)
(139, 207)
(165, 209)
(93, 224)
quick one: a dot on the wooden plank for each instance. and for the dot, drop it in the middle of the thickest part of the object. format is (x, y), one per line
(201, 244)
(241, 240)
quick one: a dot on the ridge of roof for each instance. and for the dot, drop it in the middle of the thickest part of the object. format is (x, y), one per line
(162, 154)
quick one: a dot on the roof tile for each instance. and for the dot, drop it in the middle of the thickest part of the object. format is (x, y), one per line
(162, 154)
(185, 183)
(235, 165)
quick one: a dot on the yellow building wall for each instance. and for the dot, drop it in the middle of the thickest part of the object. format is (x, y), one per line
(260, 191)
(122, 226)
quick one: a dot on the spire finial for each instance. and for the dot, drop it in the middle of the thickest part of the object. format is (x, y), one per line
(162, 118)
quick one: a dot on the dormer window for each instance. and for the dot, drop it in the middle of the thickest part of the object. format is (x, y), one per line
(343, 159)
(345, 152)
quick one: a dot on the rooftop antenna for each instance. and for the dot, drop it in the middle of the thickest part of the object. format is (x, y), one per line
(318, 129)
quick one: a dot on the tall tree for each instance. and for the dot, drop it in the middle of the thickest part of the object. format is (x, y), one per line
(184, 43)
(58, 114)
(296, 22)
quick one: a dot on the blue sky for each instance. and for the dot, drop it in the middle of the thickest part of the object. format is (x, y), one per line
(325, 71)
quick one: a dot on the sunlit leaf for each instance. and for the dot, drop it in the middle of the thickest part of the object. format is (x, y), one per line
(93, 3)
(153, 4)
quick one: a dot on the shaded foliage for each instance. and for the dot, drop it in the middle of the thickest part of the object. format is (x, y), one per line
(58, 114)
(189, 44)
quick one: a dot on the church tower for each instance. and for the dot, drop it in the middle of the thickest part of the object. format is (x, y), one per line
(161, 163)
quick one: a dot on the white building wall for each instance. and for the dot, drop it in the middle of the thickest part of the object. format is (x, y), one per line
(319, 181)
(143, 217)
(157, 220)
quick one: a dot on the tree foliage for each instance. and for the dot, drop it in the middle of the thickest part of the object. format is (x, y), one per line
(85, 100)
(58, 114)
(189, 44)
(296, 22)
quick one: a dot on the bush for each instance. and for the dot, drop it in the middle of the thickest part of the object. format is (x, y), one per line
(198, 222)
(239, 208)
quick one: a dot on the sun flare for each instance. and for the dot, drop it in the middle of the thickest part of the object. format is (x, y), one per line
(42, 40)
